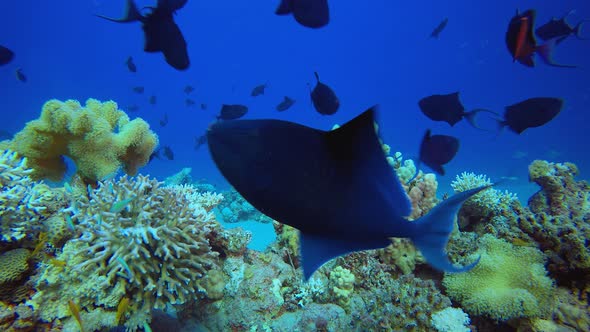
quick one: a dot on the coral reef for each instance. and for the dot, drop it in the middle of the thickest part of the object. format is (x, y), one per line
(508, 282)
(235, 208)
(136, 239)
(99, 138)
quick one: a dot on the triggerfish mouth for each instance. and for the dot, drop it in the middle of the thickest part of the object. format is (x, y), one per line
(336, 187)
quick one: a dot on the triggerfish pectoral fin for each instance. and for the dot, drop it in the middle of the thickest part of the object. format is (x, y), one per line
(435, 228)
(545, 52)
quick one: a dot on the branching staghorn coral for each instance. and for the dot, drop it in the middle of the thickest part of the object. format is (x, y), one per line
(139, 240)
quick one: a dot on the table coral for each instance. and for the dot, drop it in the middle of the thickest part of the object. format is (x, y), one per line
(99, 138)
(137, 239)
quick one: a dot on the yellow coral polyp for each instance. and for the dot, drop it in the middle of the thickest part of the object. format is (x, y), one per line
(99, 138)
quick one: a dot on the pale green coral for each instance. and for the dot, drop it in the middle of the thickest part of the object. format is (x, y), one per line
(508, 282)
(342, 285)
(490, 198)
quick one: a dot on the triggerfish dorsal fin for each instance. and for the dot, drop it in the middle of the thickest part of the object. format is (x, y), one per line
(285, 7)
(435, 229)
(132, 14)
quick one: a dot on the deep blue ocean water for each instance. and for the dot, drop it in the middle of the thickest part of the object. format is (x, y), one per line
(372, 52)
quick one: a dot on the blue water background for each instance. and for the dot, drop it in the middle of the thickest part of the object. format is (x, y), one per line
(372, 52)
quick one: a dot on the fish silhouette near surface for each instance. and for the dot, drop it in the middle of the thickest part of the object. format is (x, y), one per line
(138, 89)
(6, 55)
(522, 45)
(336, 187)
(560, 29)
(285, 104)
(323, 98)
(531, 113)
(448, 108)
(438, 150)
(20, 75)
(131, 65)
(439, 28)
(188, 89)
(232, 111)
(258, 90)
(309, 13)
(161, 32)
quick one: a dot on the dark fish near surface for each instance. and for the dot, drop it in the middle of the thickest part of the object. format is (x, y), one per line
(164, 120)
(324, 99)
(309, 13)
(308, 177)
(189, 102)
(200, 141)
(437, 150)
(161, 32)
(20, 75)
(6, 55)
(560, 29)
(285, 104)
(530, 113)
(203, 106)
(439, 28)
(188, 89)
(168, 153)
(522, 44)
(131, 65)
(133, 108)
(448, 108)
(258, 90)
(138, 89)
(153, 99)
(232, 112)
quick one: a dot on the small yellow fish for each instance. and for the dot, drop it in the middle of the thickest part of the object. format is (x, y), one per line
(57, 262)
(41, 242)
(121, 309)
(75, 311)
(120, 205)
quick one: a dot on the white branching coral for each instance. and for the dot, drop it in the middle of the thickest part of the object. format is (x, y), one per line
(149, 238)
(23, 202)
(490, 198)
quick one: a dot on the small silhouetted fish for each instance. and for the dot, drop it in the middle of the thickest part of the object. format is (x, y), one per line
(437, 150)
(324, 99)
(560, 29)
(6, 55)
(448, 108)
(5, 135)
(533, 112)
(168, 153)
(232, 112)
(309, 13)
(200, 141)
(439, 28)
(20, 75)
(164, 120)
(188, 89)
(161, 32)
(203, 106)
(131, 65)
(138, 89)
(133, 108)
(285, 104)
(258, 90)
(522, 44)
(153, 100)
(154, 155)
(189, 102)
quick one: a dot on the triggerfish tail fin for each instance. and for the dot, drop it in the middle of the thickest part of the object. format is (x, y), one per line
(545, 51)
(578, 30)
(471, 117)
(435, 229)
(132, 14)
(285, 7)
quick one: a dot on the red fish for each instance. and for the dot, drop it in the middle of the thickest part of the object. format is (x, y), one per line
(521, 42)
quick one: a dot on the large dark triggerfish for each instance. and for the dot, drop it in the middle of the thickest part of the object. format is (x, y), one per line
(323, 98)
(448, 108)
(6, 55)
(161, 32)
(530, 113)
(309, 13)
(437, 150)
(336, 187)
(521, 42)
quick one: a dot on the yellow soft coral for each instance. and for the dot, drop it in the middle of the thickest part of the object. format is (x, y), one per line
(99, 138)
(508, 282)
(13, 264)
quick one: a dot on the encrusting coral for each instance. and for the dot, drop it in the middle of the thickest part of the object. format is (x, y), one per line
(99, 138)
(136, 239)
